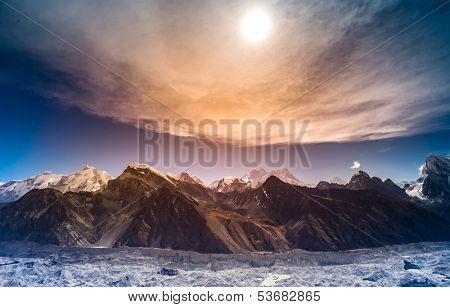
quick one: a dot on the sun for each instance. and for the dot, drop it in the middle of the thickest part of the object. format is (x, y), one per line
(256, 25)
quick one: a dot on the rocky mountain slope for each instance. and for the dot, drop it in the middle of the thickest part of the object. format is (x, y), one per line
(434, 183)
(324, 185)
(86, 180)
(142, 207)
(229, 184)
(362, 181)
(345, 219)
(147, 208)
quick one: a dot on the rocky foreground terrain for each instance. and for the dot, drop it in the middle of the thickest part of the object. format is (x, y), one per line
(419, 265)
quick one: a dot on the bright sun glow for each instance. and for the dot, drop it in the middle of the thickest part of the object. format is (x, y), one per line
(256, 25)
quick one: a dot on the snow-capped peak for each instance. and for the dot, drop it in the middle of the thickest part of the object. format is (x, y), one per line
(255, 178)
(255, 174)
(259, 175)
(88, 167)
(230, 179)
(230, 183)
(137, 165)
(189, 178)
(86, 180)
(286, 176)
(434, 181)
(337, 180)
(143, 168)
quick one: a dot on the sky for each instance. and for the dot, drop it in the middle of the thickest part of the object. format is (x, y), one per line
(65, 106)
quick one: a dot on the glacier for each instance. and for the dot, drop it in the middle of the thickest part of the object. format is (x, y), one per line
(29, 264)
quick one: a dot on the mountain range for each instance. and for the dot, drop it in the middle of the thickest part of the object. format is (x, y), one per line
(362, 181)
(88, 179)
(144, 207)
(253, 179)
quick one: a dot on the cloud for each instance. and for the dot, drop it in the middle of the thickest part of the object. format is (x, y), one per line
(190, 56)
(356, 165)
(421, 170)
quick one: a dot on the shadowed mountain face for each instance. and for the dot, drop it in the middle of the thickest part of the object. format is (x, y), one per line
(434, 183)
(142, 207)
(49, 217)
(346, 219)
(147, 208)
(324, 185)
(362, 181)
